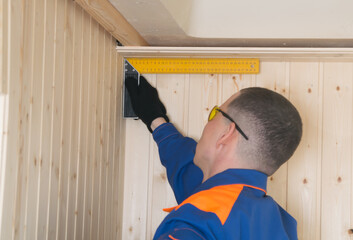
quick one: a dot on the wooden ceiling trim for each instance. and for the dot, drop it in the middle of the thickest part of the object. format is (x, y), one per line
(112, 20)
(264, 53)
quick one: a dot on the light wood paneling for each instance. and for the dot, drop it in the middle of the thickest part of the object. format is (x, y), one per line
(12, 69)
(63, 135)
(304, 169)
(111, 19)
(314, 186)
(3, 44)
(337, 151)
(61, 147)
(275, 76)
(265, 53)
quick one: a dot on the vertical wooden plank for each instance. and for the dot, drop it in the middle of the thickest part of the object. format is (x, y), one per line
(197, 113)
(92, 100)
(3, 47)
(152, 79)
(4, 102)
(101, 131)
(320, 152)
(46, 132)
(110, 141)
(57, 113)
(25, 119)
(2, 30)
(111, 184)
(12, 80)
(105, 143)
(275, 76)
(71, 213)
(337, 151)
(136, 179)
(119, 156)
(233, 83)
(171, 92)
(230, 85)
(102, 126)
(205, 92)
(84, 134)
(66, 121)
(135, 182)
(34, 156)
(99, 142)
(304, 166)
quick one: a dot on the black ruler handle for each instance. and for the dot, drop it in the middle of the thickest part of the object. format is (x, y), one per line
(129, 72)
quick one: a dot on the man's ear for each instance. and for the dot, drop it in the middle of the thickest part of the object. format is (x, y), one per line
(227, 135)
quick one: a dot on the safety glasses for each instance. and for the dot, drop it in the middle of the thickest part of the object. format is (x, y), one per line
(213, 113)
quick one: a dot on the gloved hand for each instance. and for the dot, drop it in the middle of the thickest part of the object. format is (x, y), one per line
(145, 101)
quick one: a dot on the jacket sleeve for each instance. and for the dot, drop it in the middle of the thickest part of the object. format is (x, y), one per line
(176, 153)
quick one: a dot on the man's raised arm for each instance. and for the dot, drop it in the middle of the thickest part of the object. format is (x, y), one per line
(176, 151)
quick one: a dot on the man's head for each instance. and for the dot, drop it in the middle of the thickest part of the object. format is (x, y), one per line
(271, 123)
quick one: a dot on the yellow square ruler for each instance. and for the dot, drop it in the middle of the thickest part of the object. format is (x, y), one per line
(196, 65)
(133, 67)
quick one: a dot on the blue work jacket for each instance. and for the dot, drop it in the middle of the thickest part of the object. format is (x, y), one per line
(230, 205)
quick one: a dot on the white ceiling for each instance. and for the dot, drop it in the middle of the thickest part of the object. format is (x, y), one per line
(300, 23)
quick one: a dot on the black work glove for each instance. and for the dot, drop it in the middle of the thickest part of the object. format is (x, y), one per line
(145, 101)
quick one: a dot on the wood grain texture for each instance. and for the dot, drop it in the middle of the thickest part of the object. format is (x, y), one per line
(75, 170)
(119, 153)
(321, 91)
(92, 103)
(55, 150)
(58, 111)
(3, 45)
(171, 91)
(265, 53)
(84, 134)
(275, 76)
(304, 170)
(12, 69)
(337, 151)
(115, 23)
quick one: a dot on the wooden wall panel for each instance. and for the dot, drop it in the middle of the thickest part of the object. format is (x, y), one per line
(84, 134)
(337, 151)
(119, 166)
(314, 186)
(88, 204)
(304, 169)
(57, 111)
(275, 76)
(135, 181)
(12, 69)
(63, 136)
(61, 148)
(172, 91)
(3, 44)
(46, 106)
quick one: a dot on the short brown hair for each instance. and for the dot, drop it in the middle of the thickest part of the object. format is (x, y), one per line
(271, 122)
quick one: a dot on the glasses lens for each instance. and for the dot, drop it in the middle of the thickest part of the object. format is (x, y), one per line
(212, 113)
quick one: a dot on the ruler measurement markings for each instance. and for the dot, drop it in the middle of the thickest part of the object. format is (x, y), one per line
(193, 65)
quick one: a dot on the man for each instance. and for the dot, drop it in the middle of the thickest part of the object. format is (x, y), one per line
(220, 182)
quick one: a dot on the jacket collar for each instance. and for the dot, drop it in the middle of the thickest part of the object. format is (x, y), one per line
(235, 176)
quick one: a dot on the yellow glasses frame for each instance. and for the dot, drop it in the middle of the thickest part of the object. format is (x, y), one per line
(213, 113)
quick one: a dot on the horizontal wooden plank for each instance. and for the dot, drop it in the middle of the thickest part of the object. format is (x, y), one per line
(225, 52)
(112, 20)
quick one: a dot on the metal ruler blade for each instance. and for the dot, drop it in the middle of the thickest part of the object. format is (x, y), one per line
(196, 65)
(129, 72)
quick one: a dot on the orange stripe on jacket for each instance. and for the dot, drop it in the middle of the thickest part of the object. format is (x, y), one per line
(218, 200)
(173, 238)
